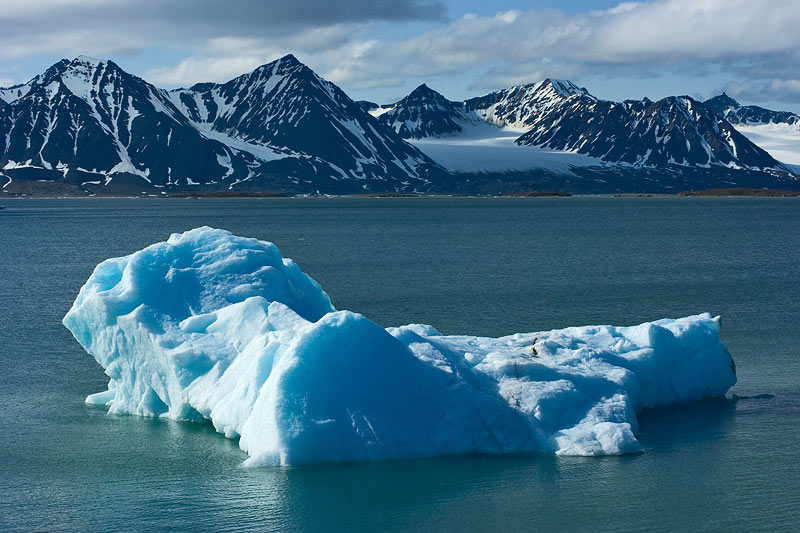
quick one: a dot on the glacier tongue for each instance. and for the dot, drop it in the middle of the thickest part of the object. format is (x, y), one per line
(208, 325)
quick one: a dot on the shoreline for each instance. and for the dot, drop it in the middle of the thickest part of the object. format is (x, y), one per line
(735, 192)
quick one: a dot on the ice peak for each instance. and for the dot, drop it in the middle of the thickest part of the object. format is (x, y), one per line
(548, 88)
(88, 59)
(424, 93)
(563, 88)
(725, 100)
(282, 65)
(285, 63)
(85, 65)
(290, 59)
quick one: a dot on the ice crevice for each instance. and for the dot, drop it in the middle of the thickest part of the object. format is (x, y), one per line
(209, 325)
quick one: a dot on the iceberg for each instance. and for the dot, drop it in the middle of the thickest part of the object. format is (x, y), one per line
(209, 326)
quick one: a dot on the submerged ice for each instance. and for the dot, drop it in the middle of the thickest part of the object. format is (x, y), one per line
(211, 326)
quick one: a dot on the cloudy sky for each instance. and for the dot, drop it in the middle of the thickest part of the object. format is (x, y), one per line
(381, 49)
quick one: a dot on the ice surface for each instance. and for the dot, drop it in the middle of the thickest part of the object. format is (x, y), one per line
(485, 147)
(208, 325)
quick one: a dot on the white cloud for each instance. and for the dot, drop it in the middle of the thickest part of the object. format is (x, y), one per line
(631, 39)
(787, 91)
(69, 43)
(224, 58)
(106, 27)
(198, 69)
(753, 41)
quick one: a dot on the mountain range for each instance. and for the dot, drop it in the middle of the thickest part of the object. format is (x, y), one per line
(558, 115)
(736, 113)
(88, 124)
(85, 126)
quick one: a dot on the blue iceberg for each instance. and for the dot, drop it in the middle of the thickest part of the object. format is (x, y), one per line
(212, 326)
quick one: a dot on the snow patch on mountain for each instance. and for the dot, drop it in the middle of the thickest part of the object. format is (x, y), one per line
(378, 111)
(260, 151)
(521, 105)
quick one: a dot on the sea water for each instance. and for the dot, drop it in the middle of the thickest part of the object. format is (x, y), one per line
(483, 266)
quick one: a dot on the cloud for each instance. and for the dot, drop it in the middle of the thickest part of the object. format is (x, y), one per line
(242, 14)
(223, 58)
(106, 27)
(199, 69)
(631, 39)
(774, 90)
(755, 42)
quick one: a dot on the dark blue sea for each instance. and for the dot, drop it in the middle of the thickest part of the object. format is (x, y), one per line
(478, 266)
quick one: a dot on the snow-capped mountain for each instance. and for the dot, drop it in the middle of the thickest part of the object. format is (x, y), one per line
(557, 115)
(87, 126)
(89, 123)
(676, 130)
(425, 113)
(285, 106)
(520, 106)
(777, 132)
(736, 113)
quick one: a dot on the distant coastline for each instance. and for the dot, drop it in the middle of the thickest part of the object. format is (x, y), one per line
(740, 192)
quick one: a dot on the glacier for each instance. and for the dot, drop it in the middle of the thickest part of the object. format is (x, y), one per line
(209, 326)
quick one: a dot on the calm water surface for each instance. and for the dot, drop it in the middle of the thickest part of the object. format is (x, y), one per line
(471, 266)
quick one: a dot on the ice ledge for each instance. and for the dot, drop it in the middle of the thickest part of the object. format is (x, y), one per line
(213, 326)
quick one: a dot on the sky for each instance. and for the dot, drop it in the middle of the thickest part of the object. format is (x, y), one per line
(379, 50)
